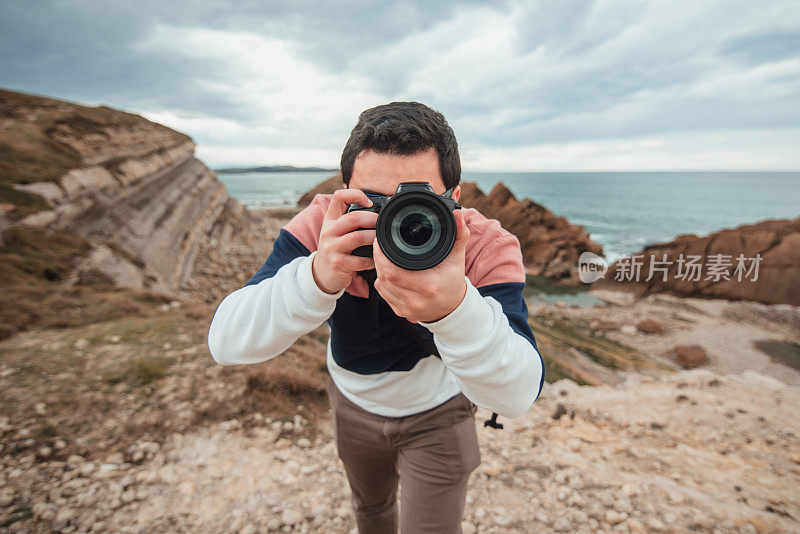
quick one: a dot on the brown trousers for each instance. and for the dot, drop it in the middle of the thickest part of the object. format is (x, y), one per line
(431, 454)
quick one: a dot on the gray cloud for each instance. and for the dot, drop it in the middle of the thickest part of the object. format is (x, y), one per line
(510, 74)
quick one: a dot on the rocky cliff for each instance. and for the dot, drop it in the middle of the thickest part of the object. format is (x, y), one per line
(550, 244)
(130, 187)
(757, 262)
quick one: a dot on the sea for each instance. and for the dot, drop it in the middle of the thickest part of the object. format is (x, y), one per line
(623, 211)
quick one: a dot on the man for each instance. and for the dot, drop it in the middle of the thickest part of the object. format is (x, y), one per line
(400, 414)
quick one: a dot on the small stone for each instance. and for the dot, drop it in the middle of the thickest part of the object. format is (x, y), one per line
(628, 329)
(115, 458)
(114, 339)
(468, 528)
(6, 497)
(614, 518)
(81, 344)
(87, 469)
(559, 412)
(635, 526)
(676, 498)
(291, 517)
(502, 520)
(655, 524)
(249, 529)
(63, 519)
(562, 524)
(689, 356)
(39, 508)
(129, 496)
(321, 512)
(630, 490)
(303, 443)
(59, 444)
(74, 461)
(40, 408)
(574, 444)
(748, 528)
(491, 469)
(623, 505)
(292, 467)
(44, 452)
(228, 426)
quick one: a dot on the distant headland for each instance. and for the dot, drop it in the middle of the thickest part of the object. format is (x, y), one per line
(273, 168)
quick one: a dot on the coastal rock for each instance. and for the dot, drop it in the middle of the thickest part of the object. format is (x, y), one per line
(773, 278)
(324, 188)
(550, 244)
(690, 356)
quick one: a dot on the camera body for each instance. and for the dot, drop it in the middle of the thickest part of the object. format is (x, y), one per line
(415, 229)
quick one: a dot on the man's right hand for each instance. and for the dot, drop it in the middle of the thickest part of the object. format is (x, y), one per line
(333, 266)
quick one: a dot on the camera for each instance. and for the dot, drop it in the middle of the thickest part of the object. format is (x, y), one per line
(415, 229)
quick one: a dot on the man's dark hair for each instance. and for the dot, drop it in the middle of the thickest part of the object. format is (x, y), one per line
(404, 128)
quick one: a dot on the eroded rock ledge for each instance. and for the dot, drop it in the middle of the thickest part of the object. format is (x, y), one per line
(775, 281)
(132, 187)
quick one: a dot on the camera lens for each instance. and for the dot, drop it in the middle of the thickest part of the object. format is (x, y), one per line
(415, 229)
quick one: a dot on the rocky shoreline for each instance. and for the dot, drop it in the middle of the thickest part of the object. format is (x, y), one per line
(115, 417)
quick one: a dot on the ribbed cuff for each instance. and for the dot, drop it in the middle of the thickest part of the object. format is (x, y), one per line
(311, 293)
(472, 320)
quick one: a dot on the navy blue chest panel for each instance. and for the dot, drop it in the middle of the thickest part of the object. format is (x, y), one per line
(354, 347)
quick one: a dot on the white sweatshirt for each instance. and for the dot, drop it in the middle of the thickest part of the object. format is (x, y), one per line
(481, 355)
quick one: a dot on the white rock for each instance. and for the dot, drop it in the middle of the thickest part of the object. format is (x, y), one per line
(6, 497)
(87, 468)
(64, 517)
(290, 517)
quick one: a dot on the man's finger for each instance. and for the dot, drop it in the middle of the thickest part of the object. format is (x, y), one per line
(349, 242)
(341, 198)
(462, 231)
(399, 277)
(352, 221)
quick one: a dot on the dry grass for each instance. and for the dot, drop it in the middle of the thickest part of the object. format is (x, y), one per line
(33, 146)
(143, 378)
(34, 262)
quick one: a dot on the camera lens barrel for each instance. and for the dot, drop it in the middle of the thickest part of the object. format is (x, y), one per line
(416, 229)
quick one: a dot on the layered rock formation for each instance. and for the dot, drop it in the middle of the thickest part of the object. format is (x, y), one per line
(550, 244)
(757, 262)
(132, 187)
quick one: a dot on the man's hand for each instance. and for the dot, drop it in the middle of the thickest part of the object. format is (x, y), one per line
(333, 266)
(428, 295)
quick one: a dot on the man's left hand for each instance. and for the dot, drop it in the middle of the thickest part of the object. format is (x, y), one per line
(428, 295)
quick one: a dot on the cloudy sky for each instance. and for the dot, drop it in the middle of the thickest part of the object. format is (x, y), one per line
(536, 85)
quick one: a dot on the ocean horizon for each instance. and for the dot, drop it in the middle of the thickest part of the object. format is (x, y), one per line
(622, 211)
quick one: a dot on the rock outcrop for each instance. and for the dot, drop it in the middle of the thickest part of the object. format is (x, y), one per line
(550, 244)
(131, 187)
(757, 262)
(323, 188)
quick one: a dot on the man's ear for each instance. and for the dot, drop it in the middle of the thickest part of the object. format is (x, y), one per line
(457, 193)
